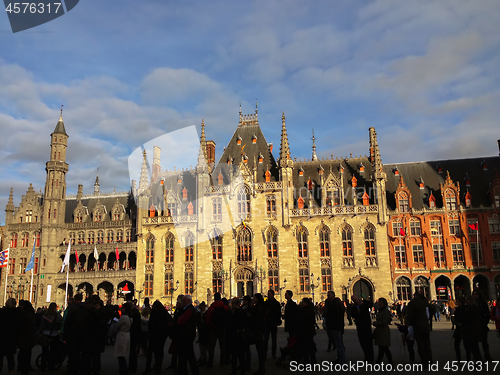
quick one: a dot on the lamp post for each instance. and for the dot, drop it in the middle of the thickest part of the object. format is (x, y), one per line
(313, 286)
(172, 290)
(193, 289)
(283, 287)
(224, 276)
(260, 275)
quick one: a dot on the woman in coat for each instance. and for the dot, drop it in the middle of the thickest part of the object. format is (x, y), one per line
(122, 338)
(382, 334)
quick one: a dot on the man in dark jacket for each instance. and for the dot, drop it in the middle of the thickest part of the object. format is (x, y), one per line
(273, 320)
(418, 312)
(290, 315)
(216, 320)
(334, 320)
(360, 311)
(187, 334)
(73, 332)
(484, 312)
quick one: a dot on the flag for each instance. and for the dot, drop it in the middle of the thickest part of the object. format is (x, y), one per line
(402, 232)
(244, 224)
(116, 253)
(4, 258)
(125, 289)
(66, 258)
(434, 230)
(76, 256)
(96, 256)
(474, 226)
(31, 263)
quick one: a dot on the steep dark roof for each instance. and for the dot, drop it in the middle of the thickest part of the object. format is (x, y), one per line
(252, 151)
(172, 186)
(107, 201)
(480, 180)
(351, 168)
(60, 127)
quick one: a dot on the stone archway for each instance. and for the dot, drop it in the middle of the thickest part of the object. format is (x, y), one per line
(443, 287)
(86, 289)
(496, 280)
(482, 283)
(363, 289)
(422, 285)
(461, 286)
(105, 291)
(61, 293)
(244, 282)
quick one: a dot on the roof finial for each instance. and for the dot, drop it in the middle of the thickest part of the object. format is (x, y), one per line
(256, 106)
(314, 156)
(240, 107)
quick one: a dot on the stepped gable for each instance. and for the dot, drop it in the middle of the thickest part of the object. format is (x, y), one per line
(479, 177)
(351, 165)
(242, 146)
(108, 201)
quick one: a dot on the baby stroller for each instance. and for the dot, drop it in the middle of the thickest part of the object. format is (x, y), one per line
(290, 352)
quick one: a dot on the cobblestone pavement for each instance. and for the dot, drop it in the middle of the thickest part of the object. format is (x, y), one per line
(441, 342)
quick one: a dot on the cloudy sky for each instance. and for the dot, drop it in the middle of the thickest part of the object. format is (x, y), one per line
(424, 73)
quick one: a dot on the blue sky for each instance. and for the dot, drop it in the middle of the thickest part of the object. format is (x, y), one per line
(424, 73)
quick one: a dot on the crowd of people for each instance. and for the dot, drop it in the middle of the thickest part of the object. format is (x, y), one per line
(236, 326)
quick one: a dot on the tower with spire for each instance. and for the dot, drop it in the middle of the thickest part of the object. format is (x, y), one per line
(286, 174)
(379, 177)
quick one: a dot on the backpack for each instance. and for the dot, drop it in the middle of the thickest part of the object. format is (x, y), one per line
(219, 317)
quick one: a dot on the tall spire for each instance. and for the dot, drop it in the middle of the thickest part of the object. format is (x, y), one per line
(10, 204)
(284, 146)
(375, 157)
(314, 156)
(60, 125)
(202, 154)
(144, 179)
(97, 189)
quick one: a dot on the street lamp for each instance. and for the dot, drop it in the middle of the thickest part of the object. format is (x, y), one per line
(172, 290)
(313, 285)
(283, 287)
(260, 274)
(195, 287)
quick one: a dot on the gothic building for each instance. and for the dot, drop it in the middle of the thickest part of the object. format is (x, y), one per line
(98, 223)
(260, 219)
(251, 222)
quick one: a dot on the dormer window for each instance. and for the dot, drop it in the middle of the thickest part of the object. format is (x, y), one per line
(432, 201)
(396, 171)
(366, 199)
(238, 140)
(451, 200)
(254, 139)
(361, 168)
(484, 165)
(220, 179)
(354, 181)
(268, 176)
(190, 209)
(300, 203)
(301, 172)
(98, 215)
(184, 193)
(261, 158)
(403, 203)
(309, 185)
(152, 211)
(468, 200)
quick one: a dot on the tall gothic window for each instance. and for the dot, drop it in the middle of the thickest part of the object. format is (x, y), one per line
(189, 249)
(217, 209)
(415, 229)
(302, 241)
(13, 240)
(188, 282)
(90, 237)
(271, 206)
(169, 248)
(272, 242)
(243, 201)
(403, 286)
(244, 244)
(111, 236)
(326, 279)
(273, 280)
(347, 242)
(150, 250)
(304, 279)
(169, 283)
(148, 285)
(324, 242)
(216, 243)
(451, 200)
(100, 236)
(400, 253)
(370, 241)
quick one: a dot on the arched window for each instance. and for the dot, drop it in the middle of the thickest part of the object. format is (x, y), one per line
(403, 286)
(13, 240)
(72, 238)
(347, 253)
(111, 236)
(302, 241)
(81, 238)
(216, 243)
(37, 236)
(324, 242)
(244, 243)
(169, 248)
(25, 240)
(451, 200)
(90, 238)
(97, 215)
(243, 201)
(217, 209)
(272, 242)
(189, 249)
(150, 250)
(128, 235)
(119, 236)
(370, 241)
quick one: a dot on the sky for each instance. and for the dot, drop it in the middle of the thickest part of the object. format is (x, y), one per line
(425, 74)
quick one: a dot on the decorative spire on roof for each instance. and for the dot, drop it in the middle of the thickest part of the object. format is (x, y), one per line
(314, 156)
(202, 155)
(375, 158)
(60, 125)
(10, 204)
(96, 184)
(144, 179)
(284, 146)
(401, 181)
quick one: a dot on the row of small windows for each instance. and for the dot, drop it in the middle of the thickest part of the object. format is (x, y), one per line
(98, 215)
(99, 237)
(244, 244)
(25, 240)
(439, 256)
(189, 284)
(435, 227)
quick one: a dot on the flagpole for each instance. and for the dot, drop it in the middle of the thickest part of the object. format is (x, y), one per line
(6, 277)
(31, 284)
(67, 280)
(477, 242)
